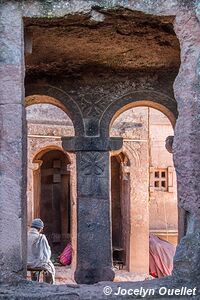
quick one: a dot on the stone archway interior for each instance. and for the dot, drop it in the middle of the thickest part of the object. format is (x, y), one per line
(131, 55)
(151, 199)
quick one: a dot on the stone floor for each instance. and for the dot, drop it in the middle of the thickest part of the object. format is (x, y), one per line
(64, 275)
(67, 289)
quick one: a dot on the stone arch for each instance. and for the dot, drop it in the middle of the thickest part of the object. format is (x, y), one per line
(38, 155)
(59, 190)
(132, 154)
(36, 94)
(139, 209)
(153, 99)
(36, 164)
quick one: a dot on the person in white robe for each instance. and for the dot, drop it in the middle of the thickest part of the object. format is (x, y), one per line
(39, 253)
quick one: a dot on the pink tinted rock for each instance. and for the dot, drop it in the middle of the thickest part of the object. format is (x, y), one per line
(11, 78)
(187, 93)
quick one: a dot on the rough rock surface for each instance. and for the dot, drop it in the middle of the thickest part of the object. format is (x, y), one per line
(12, 145)
(186, 140)
(29, 290)
(125, 39)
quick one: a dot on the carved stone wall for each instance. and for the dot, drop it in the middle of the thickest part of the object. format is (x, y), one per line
(94, 104)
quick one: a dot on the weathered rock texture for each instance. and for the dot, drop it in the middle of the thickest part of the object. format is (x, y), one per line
(90, 104)
(12, 144)
(186, 143)
(124, 41)
(27, 290)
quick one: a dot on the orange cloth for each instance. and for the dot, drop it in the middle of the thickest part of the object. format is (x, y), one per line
(161, 255)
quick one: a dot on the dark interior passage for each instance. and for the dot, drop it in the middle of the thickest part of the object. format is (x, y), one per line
(55, 199)
(116, 204)
(120, 195)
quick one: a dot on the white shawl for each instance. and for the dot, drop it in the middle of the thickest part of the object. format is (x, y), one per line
(39, 252)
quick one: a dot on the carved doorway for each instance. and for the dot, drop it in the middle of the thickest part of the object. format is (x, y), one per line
(54, 199)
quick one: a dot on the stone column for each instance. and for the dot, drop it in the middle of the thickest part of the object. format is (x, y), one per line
(12, 144)
(186, 148)
(33, 190)
(94, 249)
(139, 206)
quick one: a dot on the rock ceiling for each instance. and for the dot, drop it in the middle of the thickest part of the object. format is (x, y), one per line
(119, 40)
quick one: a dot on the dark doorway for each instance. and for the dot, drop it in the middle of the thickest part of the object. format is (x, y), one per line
(55, 199)
(120, 198)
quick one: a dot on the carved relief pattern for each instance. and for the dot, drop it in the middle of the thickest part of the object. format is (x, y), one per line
(92, 178)
(93, 164)
(92, 106)
(133, 149)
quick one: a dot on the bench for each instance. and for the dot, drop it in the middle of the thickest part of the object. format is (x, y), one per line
(35, 273)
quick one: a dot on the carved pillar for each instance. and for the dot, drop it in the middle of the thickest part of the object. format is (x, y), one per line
(94, 221)
(12, 144)
(33, 193)
(94, 253)
(186, 148)
(139, 207)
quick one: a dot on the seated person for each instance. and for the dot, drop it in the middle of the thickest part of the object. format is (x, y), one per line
(39, 253)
